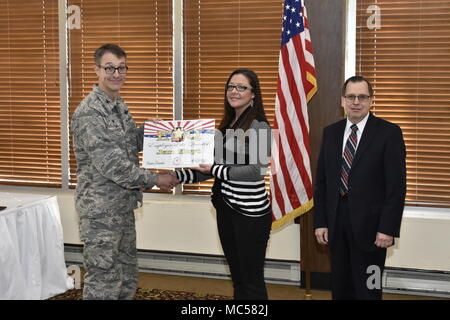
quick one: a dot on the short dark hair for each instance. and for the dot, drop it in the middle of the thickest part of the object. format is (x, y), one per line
(109, 47)
(355, 79)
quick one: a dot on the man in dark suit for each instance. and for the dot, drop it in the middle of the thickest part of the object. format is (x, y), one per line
(359, 193)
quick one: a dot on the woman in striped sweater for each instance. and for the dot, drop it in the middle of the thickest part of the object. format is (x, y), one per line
(242, 153)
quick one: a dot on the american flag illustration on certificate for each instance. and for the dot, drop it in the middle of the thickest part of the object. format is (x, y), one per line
(178, 143)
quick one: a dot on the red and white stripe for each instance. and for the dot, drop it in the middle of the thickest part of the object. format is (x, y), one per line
(291, 181)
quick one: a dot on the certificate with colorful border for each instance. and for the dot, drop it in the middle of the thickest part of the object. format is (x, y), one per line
(178, 143)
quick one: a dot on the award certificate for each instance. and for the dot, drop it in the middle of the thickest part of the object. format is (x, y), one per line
(178, 143)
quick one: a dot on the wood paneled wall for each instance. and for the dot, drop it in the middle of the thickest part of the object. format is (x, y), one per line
(327, 28)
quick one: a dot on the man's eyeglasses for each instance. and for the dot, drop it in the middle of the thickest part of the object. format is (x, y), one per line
(238, 88)
(361, 98)
(111, 69)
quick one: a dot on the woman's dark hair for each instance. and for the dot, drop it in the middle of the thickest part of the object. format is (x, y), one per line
(256, 111)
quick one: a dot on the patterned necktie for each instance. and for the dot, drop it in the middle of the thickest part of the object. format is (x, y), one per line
(347, 159)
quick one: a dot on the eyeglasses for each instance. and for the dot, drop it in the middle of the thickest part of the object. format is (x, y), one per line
(111, 69)
(361, 98)
(238, 88)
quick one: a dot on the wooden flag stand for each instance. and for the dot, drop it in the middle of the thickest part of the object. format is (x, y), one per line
(307, 265)
(308, 293)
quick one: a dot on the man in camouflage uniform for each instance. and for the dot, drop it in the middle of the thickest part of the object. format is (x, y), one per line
(109, 181)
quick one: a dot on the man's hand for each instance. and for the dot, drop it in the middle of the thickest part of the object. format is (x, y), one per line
(384, 240)
(322, 235)
(167, 180)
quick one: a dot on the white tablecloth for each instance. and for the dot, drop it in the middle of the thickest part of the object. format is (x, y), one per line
(32, 262)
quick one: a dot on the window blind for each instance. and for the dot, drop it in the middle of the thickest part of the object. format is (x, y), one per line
(219, 37)
(144, 30)
(30, 144)
(408, 61)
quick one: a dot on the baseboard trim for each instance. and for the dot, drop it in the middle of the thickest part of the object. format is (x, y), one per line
(432, 283)
(197, 265)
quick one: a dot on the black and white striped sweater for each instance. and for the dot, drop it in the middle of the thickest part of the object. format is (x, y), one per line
(241, 186)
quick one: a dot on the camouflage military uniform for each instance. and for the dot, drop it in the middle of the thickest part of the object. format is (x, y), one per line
(109, 182)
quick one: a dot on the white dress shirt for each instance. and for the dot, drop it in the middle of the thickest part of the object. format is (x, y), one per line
(361, 125)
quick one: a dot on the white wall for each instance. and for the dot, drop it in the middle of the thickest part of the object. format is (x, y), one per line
(176, 223)
(424, 241)
(188, 224)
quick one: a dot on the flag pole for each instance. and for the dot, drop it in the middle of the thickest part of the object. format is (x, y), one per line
(291, 183)
(307, 264)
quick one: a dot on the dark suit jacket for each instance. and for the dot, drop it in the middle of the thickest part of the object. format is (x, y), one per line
(377, 181)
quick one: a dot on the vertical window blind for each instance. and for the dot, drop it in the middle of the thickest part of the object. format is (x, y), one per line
(219, 37)
(144, 30)
(408, 61)
(30, 143)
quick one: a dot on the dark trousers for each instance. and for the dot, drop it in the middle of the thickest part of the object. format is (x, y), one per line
(355, 274)
(244, 242)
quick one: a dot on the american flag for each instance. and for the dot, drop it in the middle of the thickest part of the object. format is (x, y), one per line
(291, 183)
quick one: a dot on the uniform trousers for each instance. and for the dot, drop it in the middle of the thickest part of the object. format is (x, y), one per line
(110, 257)
(244, 242)
(355, 273)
